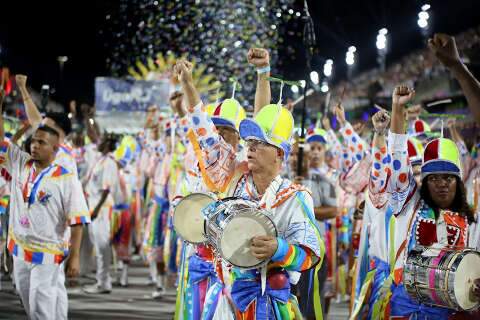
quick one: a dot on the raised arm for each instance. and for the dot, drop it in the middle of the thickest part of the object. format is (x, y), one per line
(402, 182)
(20, 132)
(355, 147)
(261, 60)
(11, 156)
(33, 115)
(216, 157)
(467, 161)
(181, 119)
(334, 144)
(381, 160)
(445, 49)
(183, 70)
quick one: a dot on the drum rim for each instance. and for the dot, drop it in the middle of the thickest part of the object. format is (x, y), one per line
(260, 264)
(463, 253)
(450, 268)
(191, 195)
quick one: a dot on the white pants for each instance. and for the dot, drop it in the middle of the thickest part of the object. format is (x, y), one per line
(87, 263)
(100, 236)
(42, 289)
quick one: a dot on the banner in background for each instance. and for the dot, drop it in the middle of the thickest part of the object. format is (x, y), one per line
(120, 95)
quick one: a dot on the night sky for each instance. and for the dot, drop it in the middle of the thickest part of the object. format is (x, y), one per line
(34, 33)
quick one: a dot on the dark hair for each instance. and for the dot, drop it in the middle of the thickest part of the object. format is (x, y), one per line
(459, 205)
(62, 120)
(108, 142)
(27, 143)
(48, 130)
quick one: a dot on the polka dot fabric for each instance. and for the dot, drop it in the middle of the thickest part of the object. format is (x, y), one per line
(391, 175)
(353, 147)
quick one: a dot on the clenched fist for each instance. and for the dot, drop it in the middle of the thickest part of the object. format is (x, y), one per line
(183, 71)
(402, 95)
(444, 48)
(380, 121)
(21, 80)
(258, 57)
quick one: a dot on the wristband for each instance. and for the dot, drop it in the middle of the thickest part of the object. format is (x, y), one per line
(263, 70)
(282, 250)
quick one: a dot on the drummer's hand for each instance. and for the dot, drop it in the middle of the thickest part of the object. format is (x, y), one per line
(476, 288)
(264, 247)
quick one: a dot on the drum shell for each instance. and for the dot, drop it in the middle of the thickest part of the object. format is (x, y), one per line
(418, 272)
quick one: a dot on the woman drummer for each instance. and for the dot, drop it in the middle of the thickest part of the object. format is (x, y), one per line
(433, 214)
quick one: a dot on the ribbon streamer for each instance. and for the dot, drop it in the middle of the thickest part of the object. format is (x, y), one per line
(282, 84)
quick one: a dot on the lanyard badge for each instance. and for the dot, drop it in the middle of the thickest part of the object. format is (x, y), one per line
(32, 185)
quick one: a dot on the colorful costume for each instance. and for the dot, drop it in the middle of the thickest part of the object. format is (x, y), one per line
(413, 221)
(299, 244)
(42, 207)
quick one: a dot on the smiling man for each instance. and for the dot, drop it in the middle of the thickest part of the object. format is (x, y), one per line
(46, 217)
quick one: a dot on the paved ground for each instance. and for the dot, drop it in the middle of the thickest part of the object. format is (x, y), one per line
(124, 303)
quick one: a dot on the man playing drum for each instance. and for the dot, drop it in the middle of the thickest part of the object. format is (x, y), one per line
(298, 246)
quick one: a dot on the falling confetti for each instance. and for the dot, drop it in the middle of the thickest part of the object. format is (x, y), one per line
(216, 34)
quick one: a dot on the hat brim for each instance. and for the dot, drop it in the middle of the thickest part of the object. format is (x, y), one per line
(316, 138)
(221, 122)
(440, 167)
(250, 130)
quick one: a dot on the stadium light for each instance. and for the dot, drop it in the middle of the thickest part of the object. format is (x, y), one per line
(314, 77)
(324, 88)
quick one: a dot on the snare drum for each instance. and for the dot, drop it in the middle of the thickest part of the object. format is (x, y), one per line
(230, 226)
(188, 219)
(442, 277)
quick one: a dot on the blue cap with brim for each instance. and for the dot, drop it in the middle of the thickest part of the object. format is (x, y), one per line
(441, 167)
(250, 130)
(316, 138)
(221, 122)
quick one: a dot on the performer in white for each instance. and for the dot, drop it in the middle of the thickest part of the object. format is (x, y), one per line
(102, 178)
(46, 206)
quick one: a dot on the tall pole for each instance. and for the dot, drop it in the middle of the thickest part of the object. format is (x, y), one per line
(309, 41)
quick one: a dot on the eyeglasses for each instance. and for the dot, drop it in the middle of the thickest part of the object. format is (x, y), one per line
(253, 144)
(436, 178)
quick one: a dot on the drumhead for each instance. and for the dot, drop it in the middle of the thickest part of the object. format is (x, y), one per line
(188, 219)
(237, 236)
(468, 270)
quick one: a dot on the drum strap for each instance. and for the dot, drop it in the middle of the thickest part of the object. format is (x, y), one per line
(404, 243)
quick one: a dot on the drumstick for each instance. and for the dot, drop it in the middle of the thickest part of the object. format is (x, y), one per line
(379, 108)
(444, 101)
(341, 96)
